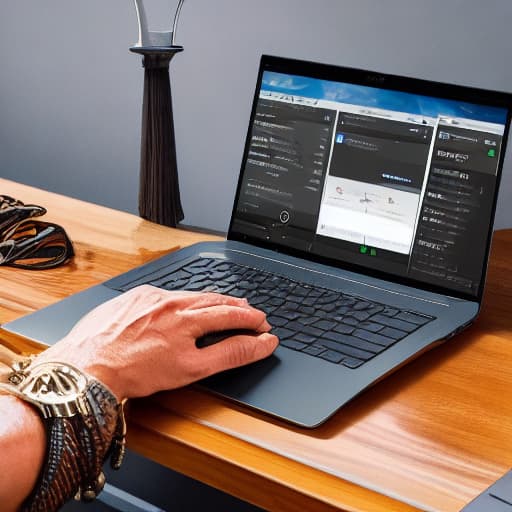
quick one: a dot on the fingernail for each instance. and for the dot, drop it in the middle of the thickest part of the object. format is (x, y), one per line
(266, 326)
(270, 337)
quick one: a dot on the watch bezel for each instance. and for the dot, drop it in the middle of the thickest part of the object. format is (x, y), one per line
(57, 389)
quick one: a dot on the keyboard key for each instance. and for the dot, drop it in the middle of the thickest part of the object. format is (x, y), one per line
(307, 310)
(360, 305)
(226, 289)
(342, 310)
(290, 306)
(295, 345)
(346, 301)
(247, 285)
(295, 326)
(277, 321)
(346, 349)
(325, 325)
(289, 315)
(217, 276)
(331, 355)
(309, 301)
(258, 278)
(313, 350)
(305, 338)
(197, 286)
(353, 341)
(212, 288)
(203, 262)
(235, 292)
(301, 291)
(359, 315)
(170, 285)
(374, 337)
(350, 320)
(222, 266)
(395, 334)
(295, 299)
(309, 329)
(328, 297)
(344, 328)
(352, 362)
(308, 320)
(256, 300)
(371, 326)
(199, 278)
(393, 322)
(326, 308)
(415, 318)
(337, 337)
(376, 308)
(282, 333)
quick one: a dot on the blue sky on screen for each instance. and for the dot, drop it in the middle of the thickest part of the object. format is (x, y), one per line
(379, 98)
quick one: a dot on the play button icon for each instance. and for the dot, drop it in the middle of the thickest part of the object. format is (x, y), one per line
(284, 216)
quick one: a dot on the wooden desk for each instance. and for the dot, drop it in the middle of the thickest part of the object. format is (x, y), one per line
(430, 437)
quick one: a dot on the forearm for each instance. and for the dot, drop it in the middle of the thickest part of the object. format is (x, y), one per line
(22, 449)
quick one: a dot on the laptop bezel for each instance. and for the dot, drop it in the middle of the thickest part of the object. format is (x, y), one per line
(385, 81)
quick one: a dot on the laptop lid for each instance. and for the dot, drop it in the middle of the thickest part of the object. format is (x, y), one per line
(391, 176)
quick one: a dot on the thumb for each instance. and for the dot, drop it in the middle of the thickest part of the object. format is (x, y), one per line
(238, 351)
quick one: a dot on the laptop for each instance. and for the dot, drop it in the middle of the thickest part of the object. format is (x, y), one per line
(361, 224)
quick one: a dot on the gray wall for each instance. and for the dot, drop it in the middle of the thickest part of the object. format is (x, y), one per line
(70, 91)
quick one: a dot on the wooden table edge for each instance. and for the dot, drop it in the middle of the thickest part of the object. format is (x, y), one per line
(243, 470)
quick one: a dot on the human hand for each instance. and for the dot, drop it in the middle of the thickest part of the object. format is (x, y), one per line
(143, 341)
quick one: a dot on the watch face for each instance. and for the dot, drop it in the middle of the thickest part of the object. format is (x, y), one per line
(54, 383)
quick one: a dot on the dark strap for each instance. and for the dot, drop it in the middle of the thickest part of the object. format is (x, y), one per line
(76, 449)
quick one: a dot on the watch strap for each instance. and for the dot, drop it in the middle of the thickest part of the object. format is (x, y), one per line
(77, 447)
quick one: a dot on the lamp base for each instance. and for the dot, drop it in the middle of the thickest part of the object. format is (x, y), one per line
(159, 196)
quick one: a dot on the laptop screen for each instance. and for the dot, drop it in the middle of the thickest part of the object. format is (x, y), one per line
(369, 170)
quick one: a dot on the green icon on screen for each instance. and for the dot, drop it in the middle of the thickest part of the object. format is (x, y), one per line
(373, 252)
(363, 249)
(491, 153)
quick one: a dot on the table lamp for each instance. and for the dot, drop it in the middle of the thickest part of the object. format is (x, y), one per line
(159, 195)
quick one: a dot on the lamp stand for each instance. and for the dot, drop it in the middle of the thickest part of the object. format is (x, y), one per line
(159, 195)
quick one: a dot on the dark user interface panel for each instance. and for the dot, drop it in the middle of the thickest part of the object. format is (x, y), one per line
(456, 207)
(389, 180)
(284, 172)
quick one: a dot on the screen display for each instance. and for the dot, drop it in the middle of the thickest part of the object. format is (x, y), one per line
(397, 182)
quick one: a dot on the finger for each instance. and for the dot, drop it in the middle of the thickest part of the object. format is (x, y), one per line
(148, 290)
(206, 299)
(223, 317)
(237, 351)
(149, 296)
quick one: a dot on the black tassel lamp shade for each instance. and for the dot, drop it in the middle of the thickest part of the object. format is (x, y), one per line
(159, 195)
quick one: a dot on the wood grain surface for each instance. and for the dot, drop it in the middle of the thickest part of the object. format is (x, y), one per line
(432, 436)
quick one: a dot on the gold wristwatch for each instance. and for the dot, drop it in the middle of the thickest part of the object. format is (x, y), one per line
(57, 389)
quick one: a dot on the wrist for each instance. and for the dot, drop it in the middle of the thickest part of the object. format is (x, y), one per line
(23, 447)
(84, 425)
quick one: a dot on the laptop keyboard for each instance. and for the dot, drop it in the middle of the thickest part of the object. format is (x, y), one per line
(337, 327)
